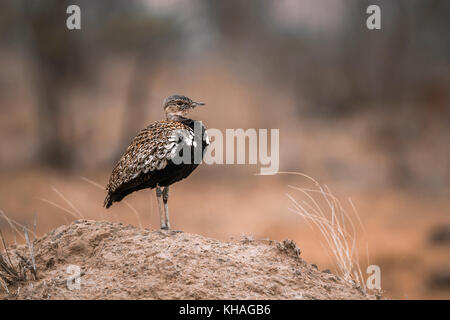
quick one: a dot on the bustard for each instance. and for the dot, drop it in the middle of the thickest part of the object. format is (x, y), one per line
(154, 159)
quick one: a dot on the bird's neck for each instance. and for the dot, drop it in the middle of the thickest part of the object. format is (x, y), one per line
(177, 117)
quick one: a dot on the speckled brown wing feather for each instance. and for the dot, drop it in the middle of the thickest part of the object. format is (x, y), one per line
(150, 150)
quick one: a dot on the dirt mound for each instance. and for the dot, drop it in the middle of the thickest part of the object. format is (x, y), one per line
(123, 262)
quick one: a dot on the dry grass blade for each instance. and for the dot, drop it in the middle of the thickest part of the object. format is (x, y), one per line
(31, 249)
(12, 223)
(70, 204)
(59, 207)
(135, 212)
(4, 285)
(5, 247)
(95, 184)
(7, 271)
(35, 224)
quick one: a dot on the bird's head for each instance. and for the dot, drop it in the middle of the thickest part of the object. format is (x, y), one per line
(178, 106)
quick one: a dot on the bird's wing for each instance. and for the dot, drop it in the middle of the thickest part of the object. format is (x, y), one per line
(150, 150)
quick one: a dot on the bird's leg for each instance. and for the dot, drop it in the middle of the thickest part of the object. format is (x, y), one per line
(166, 206)
(161, 213)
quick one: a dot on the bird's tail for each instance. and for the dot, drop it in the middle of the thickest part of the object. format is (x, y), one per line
(108, 201)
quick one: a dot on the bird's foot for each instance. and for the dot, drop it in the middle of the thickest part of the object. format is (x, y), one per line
(165, 228)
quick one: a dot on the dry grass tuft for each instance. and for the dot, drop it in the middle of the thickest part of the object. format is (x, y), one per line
(20, 270)
(335, 225)
(321, 209)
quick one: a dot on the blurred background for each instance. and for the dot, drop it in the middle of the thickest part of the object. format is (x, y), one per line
(365, 112)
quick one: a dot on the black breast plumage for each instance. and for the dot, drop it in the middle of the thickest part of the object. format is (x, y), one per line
(153, 157)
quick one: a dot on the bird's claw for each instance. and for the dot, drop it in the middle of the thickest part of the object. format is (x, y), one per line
(164, 228)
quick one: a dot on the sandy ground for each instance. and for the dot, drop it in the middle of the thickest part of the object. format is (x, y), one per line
(122, 262)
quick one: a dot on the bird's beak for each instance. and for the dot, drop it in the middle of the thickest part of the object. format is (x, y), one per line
(196, 104)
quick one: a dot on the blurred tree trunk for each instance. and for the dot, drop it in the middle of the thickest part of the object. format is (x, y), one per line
(58, 66)
(52, 150)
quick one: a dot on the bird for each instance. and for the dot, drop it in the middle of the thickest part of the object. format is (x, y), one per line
(163, 153)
